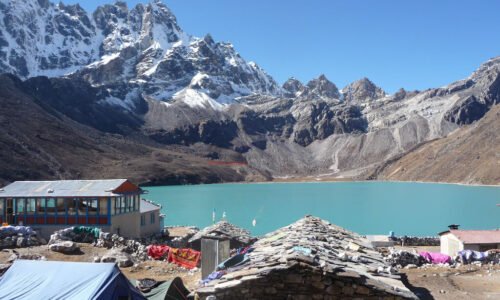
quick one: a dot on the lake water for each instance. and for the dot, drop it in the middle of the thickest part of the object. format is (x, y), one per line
(363, 207)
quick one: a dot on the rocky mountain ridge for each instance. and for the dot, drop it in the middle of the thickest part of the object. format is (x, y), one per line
(134, 74)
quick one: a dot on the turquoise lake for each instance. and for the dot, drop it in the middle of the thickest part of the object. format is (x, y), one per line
(363, 207)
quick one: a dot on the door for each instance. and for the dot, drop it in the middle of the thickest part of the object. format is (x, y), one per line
(9, 211)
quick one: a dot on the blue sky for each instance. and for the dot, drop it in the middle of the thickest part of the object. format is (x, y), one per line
(411, 44)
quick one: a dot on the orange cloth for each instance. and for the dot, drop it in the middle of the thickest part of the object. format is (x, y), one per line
(187, 258)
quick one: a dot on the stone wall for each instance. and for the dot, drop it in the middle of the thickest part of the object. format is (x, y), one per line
(416, 240)
(295, 284)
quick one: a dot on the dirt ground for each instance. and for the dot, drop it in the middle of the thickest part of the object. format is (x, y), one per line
(464, 282)
(157, 270)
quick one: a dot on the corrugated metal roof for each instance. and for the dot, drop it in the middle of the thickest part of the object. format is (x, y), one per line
(62, 188)
(477, 236)
(147, 206)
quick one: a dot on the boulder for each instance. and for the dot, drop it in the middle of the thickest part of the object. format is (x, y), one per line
(122, 259)
(66, 247)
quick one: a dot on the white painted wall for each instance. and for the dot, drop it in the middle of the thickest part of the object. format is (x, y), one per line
(450, 244)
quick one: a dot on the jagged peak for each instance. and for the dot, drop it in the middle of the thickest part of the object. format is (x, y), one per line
(321, 87)
(293, 87)
(208, 39)
(322, 77)
(362, 90)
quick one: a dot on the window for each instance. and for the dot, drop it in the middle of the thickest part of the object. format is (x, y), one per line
(40, 205)
(92, 206)
(120, 205)
(60, 206)
(72, 206)
(130, 203)
(103, 206)
(143, 220)
(125, 204)
(137, 202)
(30, 205)
(152, 217)
(51, 205)
(82, 206)
(20, 205)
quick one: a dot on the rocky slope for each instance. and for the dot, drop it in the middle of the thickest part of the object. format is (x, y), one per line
(39, 142)
(177, 108)
(469, 155)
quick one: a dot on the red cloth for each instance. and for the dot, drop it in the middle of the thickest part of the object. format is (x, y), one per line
(187, 258)
(158, 251)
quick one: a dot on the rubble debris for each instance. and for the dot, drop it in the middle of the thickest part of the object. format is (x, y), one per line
(404, 258)
(341, 264)
(238, 237)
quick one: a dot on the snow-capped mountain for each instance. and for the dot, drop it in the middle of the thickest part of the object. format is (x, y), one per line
(142, 50)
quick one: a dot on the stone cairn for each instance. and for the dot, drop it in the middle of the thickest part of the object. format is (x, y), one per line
(18, 237)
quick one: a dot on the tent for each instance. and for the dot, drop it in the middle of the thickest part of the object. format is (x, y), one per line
(29, 279)
(168, 290)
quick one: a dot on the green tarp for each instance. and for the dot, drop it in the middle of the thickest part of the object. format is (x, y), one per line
(94, 231)
(167, 290)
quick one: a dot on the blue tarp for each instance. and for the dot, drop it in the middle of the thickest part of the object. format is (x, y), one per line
(28, 279)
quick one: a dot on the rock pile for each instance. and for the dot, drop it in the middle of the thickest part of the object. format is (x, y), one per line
(417, 240)
(122, 251)
(403, 258)
(64, 240)
(310, 259)
(238, 237)
(18, 237)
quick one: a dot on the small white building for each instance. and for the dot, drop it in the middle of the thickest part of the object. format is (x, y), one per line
(151, 218)
(455, 240)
